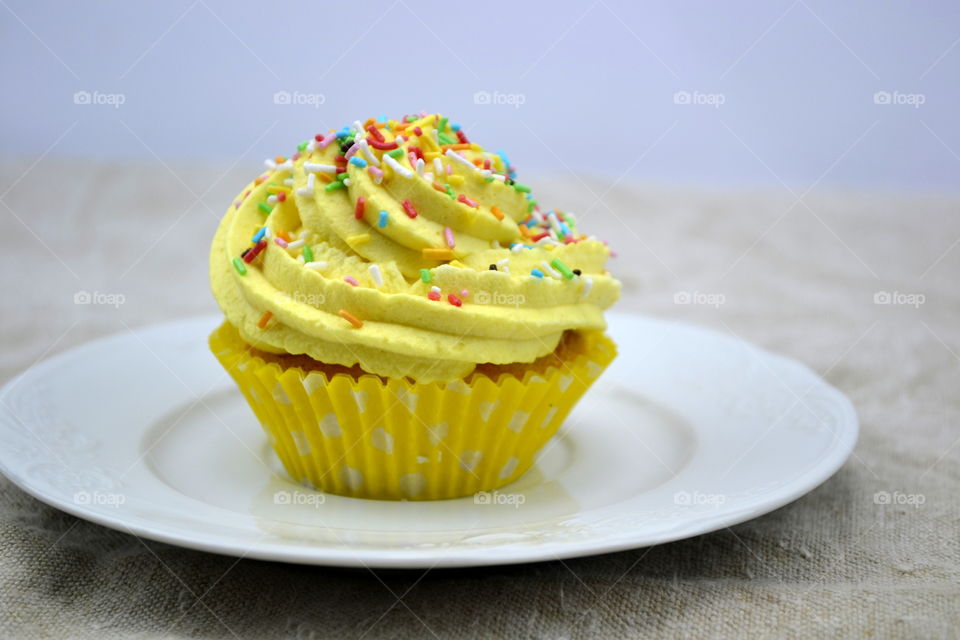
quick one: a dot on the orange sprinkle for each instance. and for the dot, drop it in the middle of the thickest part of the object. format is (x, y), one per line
(432, 253)
(283, 235)
(264, 320)
(279, 159)
(495, 210)
(350, 318)
(259, 180)
(459, 146)
(439, 188)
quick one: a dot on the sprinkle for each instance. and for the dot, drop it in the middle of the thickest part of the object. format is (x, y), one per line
(316, 266)
(313, 167)
(448, 235)
(438, 165)
(396, 153)
(259, 235)
(351, 280)
(360, 162)
(562, 268)
(495, 210)
(493, 267)
(454, 300)
(360, 238)
(238, 265)
(409, 209)
(587, 285)
(376, 275)
(464, 293)
(396, 166)
(432, 253)
(376, 173)
(283, 235)
(382, 222)
(536, 273)
(358, 210)
(435, 289)
(433, 295)
(453, 155)
(307, 253)
(281, 196)
(264, 319)
(522, 188)
(540, 236)
(251, 255)
(383, 146)
(371, 157)
(263, 206)
(576, 272)
(304, 234)
(470, 202)
(308, 190)
(373, 131)
(350, 318)
(425, 275)
(296, 244)
(335, 185)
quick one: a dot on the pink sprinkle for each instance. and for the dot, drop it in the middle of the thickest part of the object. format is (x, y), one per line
(448, 234)
(296, 156)
(280, 242)
(376, 173)
(352, 150)
(327, 142)
(449, 169)
(236, 204)
(413, 158)
(464, 293)
(351, 280)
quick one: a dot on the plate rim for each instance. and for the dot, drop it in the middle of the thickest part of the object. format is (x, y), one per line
(839, 451)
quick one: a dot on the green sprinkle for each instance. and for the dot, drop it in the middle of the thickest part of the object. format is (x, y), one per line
(488, 179)
(239, 266)
(341, 176)
(531, 205)
(334, 185)
(396, 153)
(301, 147)
(562, 268)
(522, 188)
(425, 275)
(442, 126)
(445, 139)
(308, 253)
(263, 206)
(412, 118)
(450, 192)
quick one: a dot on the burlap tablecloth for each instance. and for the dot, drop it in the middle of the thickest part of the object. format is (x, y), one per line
(797, 277)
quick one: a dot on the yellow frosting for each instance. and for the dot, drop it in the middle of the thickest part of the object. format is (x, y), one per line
(508, 315)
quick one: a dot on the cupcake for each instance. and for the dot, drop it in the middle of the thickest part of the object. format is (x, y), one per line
(402, 316)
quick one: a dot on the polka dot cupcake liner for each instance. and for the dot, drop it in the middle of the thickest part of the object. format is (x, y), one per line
(355, 434)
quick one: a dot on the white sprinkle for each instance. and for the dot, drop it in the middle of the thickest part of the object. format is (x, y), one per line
(304, 234)
(369, 155)
(453, 155)
(420, 165)
(296, 244)
(548, 269)
(435, 289)
(267, 233)
(318, 265)
(301, 259)
(308, 190)
(499, 177)
(587, 285)
(503, 262)
(428, 176)
(505, 270)
(538, 216)
(376, 275)
(285, 166)
(313, 167)
(271, 199)
(396, 166)
(358, 125)
(311, 146)
(288, 182)
(346, 182)
(517, 248)
(270, 164)
(438, 165)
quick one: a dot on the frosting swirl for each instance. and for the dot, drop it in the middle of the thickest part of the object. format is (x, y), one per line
(405, 249)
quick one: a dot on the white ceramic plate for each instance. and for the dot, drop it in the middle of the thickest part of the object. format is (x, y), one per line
(689, 431)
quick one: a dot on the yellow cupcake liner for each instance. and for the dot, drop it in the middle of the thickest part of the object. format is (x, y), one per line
(364, 436)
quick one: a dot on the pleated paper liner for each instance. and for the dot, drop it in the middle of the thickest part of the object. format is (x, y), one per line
(351, 433)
